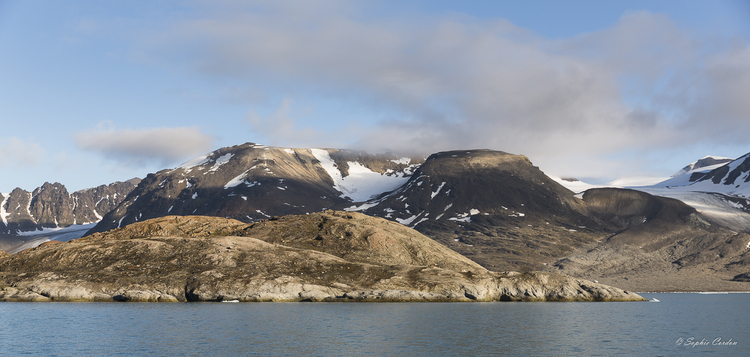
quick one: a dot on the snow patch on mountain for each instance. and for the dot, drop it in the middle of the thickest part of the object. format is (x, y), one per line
(362, 183)
(402, 161)
(58, 230)
(433, 194)
(407, 221)
(712, 205)
(3, 213)
(28, 207)
(574, 184)
(198, 161)
(238, 180)
(220, 161)
(636, 181)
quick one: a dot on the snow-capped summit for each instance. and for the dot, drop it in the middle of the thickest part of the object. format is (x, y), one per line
(252, 182)
(732, 178)
(705, 164)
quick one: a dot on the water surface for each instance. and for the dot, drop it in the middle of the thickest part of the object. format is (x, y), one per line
(677, 325)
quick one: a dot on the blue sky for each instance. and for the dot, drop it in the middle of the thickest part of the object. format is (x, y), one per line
(93, 92)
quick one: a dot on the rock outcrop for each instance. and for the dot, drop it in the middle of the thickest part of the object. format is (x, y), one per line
(329, 256)
(52, 206)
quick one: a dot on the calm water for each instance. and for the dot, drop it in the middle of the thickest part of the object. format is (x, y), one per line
(666, 328)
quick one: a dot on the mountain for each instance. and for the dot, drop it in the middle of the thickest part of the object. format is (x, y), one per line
(51, 206)
(732, 178)
(704, 163)
(328, 256)
(720, 192)
(493, 207)
(502, 212)
(253, 182)
(663, 245)
(716, 187)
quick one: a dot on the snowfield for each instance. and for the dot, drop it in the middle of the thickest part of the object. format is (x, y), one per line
(708, 198)
(361, 184)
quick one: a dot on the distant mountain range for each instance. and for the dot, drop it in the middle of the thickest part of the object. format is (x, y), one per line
(51, 207)
(493, 207)
(719, 188)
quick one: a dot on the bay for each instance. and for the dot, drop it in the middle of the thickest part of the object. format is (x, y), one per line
(678, 325)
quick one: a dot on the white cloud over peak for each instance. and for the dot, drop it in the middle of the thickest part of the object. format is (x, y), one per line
(456, 81)
(163, 146)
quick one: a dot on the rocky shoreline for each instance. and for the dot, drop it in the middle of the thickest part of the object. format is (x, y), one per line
(330, 256)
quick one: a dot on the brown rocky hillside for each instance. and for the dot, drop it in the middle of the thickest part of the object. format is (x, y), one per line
(329, 256)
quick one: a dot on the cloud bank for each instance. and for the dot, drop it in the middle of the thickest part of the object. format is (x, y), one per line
(455, 81)
(138, 148)
(16, 152)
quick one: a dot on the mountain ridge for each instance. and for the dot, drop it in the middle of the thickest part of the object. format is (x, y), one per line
(252, 182)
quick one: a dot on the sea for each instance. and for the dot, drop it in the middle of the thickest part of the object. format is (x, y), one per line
(670, 324)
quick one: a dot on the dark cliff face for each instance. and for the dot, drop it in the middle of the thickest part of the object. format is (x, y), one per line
(246, 182)
(456, 185)
(733, 173)
(52, 206)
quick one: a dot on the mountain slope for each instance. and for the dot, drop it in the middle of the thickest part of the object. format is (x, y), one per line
(720, 192)
(252, 182)
(51, 207)
(329, 256)
(496, 208)
(704, 164)
(665, 245)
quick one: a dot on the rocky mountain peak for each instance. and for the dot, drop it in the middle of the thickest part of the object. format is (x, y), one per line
(252, 182)
(52, 206)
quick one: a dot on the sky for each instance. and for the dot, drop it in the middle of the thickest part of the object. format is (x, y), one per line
(93, 92)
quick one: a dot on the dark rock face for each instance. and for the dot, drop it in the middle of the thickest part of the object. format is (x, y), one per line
(729, 173)
(52, 206)
(330, 256)
(247, 182)
(493, 207)
(704, 162)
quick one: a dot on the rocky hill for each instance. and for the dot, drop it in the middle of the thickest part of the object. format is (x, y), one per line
(329, 256)
(252, 182)
(24, 213)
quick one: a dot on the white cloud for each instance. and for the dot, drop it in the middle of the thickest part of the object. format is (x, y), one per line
(461, 82)
(281, 130)
(141, 147)
(16, 152)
